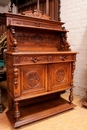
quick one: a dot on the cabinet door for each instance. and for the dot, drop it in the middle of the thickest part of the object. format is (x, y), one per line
(59, 76)
(33, 79)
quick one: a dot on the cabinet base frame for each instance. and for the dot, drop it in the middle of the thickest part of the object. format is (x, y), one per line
(39, 111)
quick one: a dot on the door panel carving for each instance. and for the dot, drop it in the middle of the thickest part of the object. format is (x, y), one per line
(59, 76)
(33, 78)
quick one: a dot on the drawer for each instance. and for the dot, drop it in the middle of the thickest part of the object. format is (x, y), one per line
(38, 59)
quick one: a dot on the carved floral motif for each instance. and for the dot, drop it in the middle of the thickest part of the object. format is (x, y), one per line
(64, 45)
(42, 40)
(41, 58)
(36, 14)
(60, 75)
(33, 79)
(35, 24)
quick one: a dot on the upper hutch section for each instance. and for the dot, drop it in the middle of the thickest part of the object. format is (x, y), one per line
(36, 27)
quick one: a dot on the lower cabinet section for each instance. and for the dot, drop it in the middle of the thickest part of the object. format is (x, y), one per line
(35, 85)
(36, 91)
(35, 79)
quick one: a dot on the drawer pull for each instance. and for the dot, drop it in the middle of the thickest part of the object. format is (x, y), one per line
(63, 58)
(34, 59)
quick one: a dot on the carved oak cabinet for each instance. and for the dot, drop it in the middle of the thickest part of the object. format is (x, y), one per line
(40, 66)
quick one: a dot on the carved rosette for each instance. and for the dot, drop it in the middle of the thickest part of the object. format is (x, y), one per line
(64, 45)
(13, 41)
(60, 75)
(33, 79)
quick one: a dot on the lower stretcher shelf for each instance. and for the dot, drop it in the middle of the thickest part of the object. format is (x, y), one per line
(39, 111)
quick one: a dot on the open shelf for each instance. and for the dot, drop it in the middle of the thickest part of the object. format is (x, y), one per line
(39, 111)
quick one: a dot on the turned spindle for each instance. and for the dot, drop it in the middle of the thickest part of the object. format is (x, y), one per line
(47, 7)
(38, 7)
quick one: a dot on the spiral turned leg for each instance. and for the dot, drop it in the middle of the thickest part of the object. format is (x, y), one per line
(71, 95)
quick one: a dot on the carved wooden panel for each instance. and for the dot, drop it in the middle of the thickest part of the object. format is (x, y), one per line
(30, 40)
(59, 76)
(33, 79)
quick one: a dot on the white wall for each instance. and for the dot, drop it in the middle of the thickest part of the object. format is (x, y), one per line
(4, 9)
(74, 14)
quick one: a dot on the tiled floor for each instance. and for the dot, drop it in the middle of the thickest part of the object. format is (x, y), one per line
(75, 119)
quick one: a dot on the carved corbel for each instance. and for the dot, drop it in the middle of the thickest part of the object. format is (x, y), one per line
(64, 45)
(13, 41)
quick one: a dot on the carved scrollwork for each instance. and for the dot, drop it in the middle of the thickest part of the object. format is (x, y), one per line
(37, 24)
(37, 14)
(74, 66)
(64, 45)
(16, 59)
(13, 41)
(50, 58)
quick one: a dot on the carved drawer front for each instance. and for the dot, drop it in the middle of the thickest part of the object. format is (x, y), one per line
(65, 57)
(43, 58)
(59, 76)
(33, 79)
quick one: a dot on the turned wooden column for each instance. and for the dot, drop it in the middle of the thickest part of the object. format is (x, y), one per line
(38, 7)
(16, 112)
(47, 7)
